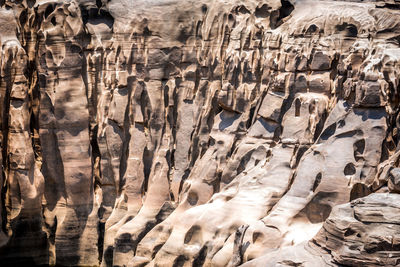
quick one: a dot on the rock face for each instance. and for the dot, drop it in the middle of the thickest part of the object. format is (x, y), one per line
(361, 233)
(199, 133)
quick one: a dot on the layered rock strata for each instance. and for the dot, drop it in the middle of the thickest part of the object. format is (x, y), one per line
(199, 133)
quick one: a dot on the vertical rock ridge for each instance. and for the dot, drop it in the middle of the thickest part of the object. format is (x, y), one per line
(141, 133)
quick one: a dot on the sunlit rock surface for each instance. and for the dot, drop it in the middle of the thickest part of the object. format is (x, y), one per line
(199, 133)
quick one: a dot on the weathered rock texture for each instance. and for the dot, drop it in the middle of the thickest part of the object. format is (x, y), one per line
(199, 133)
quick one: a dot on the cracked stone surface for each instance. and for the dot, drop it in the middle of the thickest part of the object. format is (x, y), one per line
(199, 133)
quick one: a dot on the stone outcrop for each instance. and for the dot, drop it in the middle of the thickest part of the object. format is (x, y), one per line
(361, 233)
(199, 133)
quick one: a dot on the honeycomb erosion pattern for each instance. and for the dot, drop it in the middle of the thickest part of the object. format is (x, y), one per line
(199, 133)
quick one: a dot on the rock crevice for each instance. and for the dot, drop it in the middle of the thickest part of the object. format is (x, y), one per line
(202, 133)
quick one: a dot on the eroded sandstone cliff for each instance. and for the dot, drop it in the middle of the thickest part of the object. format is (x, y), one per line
(199, 133)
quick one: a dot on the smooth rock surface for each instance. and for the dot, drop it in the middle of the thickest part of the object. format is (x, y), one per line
(199, 133)
(361, 233)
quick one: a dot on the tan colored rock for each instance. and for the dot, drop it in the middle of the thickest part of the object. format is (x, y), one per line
(199, 133)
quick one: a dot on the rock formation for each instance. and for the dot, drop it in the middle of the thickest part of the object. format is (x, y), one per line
(199, 133)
